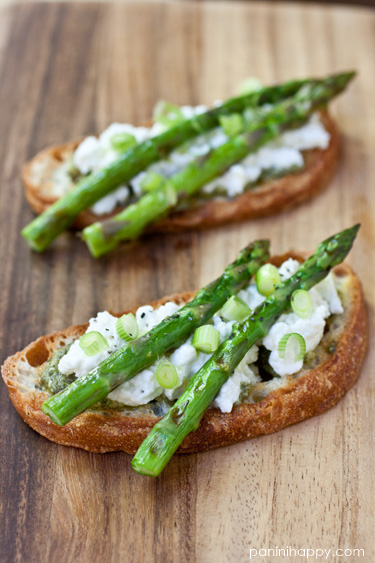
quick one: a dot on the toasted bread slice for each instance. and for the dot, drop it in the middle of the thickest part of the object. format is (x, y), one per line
(268, 198)
(269, 407)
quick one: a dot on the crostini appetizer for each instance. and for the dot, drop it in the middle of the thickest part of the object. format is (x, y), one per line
(269, 343)
(194, 167)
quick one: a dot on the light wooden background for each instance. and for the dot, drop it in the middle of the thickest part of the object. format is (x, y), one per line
(353, 2)
(68, 70)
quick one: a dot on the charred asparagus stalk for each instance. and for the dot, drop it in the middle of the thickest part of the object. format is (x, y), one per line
(170, 333)
(266, 124)
(184, 417)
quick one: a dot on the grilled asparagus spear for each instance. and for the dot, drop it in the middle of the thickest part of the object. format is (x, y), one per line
(186, 413)
(266, 124)
(42, 231)
(170, 333)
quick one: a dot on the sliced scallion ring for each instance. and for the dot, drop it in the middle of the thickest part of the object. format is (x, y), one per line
(251, 84)
(232, 124)
(151, 181)
(235, 309)
(206, 339)
(127, 327)
(92, 343)
(171, 194)
(166, 375)
(266, 278)
(167, 114)
(121, 142)
(302, 304)
(292, 347)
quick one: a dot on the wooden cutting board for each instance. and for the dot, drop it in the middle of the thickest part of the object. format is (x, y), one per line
(68, 70)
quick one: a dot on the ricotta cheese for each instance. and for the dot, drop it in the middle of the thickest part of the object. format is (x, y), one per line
(144, 387)
(312, 135)
(140, 390)
(288, 268)
(76, 361)
(326, 301)
(244, 375)
(109, 202)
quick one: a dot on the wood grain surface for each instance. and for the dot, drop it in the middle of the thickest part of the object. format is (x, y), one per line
(68, 70)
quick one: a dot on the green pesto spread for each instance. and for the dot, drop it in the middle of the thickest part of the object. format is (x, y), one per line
(51, 380)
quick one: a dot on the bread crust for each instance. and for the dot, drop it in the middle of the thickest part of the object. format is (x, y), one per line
(299, 398)
(269, 198)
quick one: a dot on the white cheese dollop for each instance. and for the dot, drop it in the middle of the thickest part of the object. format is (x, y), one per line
(278, 158)
(311, 329)
(312, 135)
(88, 155)
(140, 390)
(327, 290)
(148, 317)
(288, 268)
(326, 301)
(251, 296)
(243, 375)
(109, 202)
(76, 361)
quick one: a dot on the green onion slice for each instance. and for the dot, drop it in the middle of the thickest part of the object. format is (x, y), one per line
(152, 181)
(167, 114)
(92, 343)
(266, 278)
(127, 327)
(235, 309)
(251, 84)
(122, 141)
(166, 375)
(232, 124)
(302, 304)
(292, 347)
(206, 339)
(171, 194)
